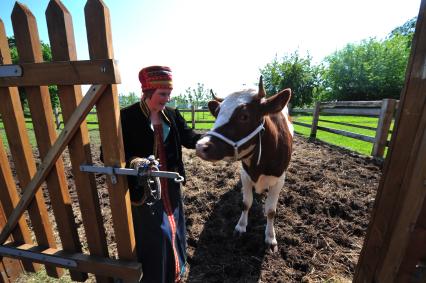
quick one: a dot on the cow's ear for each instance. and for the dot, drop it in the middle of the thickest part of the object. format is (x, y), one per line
(276, 103)
(213, 107)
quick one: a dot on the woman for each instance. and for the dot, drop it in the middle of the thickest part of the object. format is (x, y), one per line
(151, 128)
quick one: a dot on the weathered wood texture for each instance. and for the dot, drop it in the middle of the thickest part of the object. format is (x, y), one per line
(65, 73)
(29, 49)
(61, 35)
(130, 271)
(100, 47)
(20, 148)
(401, 191)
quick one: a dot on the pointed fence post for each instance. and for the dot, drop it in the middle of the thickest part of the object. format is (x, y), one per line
(385, 119)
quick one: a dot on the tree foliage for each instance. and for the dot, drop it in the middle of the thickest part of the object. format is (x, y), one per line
(126, 100)
(295, 72)
(47, 57)
(370, 70)
(197, 97)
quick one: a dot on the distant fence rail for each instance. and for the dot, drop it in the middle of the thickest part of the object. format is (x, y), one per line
(383, 109)
(192, 110)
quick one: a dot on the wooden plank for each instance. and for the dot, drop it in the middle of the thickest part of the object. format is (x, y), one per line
(49, 161)
(29, 49)
(385, 120)
(66, 73)
(415, 253)
(19, 144)
(349, 104)
(11, 268)
(100, 47)
(396, 187)
(62, 42)
(348, 124)
(119, 269)
(347, 134)
(9, 198)
(414, 193)
(369, 112)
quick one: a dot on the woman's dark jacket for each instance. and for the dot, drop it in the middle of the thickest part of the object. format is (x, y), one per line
(138, 138)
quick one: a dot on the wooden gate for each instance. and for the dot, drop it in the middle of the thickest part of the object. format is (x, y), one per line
(33, 76)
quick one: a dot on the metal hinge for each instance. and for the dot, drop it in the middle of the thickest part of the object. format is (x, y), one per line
(7, 71)
(113, 171)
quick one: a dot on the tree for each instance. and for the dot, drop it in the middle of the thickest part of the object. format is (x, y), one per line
(370, 70)
(47, 57)
(126, 100)
(197, 97)
(295, 72)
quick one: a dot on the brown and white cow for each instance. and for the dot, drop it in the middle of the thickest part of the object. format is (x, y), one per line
(257, 131)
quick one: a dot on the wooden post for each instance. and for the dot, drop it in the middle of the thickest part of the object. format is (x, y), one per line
(29, 49)
(108, 110)
(14, 123)
(385, 120)
(315, 118)
(401, 191)
(62, 42)
(193, 116)
(57, 120)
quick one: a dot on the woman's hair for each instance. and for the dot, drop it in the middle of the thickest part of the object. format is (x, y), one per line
(147, 93)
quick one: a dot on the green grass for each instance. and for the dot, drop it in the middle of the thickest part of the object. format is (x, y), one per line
(359, 146)
(342, 141)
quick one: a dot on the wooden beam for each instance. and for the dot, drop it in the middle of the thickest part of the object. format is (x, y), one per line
(401, 189)
(130, 271)
(100, 46)
(29, 50)
(67, 133)
(62, 43)
(102, 71)
(20, 147)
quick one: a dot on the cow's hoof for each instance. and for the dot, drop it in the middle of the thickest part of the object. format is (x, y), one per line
(239, 231)
(273, 248)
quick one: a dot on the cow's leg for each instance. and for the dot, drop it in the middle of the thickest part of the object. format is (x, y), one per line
(270, 210)
(247, 191)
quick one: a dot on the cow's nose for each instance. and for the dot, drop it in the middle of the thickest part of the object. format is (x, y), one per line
(203, 150)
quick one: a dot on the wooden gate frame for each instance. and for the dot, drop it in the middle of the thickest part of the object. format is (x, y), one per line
(67, 73)
(394, 249)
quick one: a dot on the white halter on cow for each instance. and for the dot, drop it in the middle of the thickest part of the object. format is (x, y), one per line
(256, 130)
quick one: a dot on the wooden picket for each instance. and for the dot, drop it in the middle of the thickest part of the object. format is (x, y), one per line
(15, 236)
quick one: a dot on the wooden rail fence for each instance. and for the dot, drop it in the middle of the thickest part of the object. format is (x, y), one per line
(18, 250)
(383, 109)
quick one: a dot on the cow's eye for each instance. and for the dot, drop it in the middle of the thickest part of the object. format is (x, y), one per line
(243, 117)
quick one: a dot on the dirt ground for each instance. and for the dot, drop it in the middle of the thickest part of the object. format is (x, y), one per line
(322, 218)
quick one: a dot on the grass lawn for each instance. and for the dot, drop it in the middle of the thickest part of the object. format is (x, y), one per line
(342, 141)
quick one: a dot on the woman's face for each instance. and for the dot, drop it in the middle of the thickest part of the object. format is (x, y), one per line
(158, 100)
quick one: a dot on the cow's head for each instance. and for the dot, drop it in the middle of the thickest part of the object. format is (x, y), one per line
(239, 119)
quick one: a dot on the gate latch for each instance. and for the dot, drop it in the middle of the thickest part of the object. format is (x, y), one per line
(113, 171)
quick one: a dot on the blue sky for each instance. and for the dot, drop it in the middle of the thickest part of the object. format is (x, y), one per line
(224, 43)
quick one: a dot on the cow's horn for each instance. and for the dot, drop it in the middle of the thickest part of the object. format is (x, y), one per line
(215, 97)
(262, 92)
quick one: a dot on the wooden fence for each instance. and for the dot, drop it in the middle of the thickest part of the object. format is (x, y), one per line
(192, 121)
(67, 73)
(384, 110)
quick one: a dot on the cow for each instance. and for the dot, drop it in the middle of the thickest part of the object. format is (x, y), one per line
(257, 131)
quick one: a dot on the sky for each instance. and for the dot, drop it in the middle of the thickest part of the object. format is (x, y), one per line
(224, 43)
